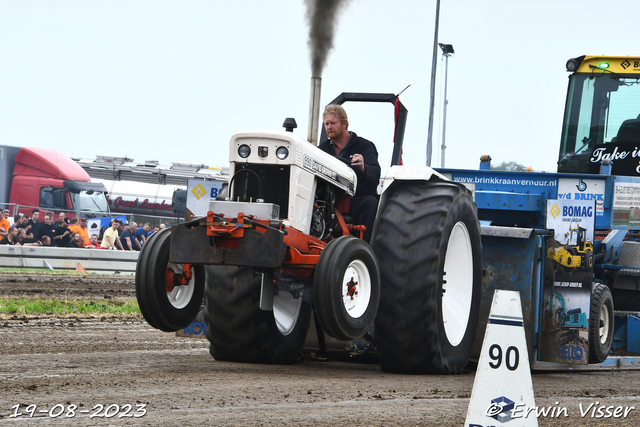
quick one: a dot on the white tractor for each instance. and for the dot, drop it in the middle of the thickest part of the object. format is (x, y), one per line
(279, 248)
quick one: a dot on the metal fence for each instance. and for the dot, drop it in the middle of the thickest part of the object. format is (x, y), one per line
(140, 219)
(92, 260)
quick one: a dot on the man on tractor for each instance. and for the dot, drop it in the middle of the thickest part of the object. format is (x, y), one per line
(362, 155)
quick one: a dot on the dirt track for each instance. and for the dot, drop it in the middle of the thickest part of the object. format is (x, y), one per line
(117, 362)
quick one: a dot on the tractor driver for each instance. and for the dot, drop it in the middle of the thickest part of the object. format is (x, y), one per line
(364, 160)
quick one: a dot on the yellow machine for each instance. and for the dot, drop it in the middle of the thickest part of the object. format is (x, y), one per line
(577, 253)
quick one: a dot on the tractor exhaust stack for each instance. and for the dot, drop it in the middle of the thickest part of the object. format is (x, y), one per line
(314, 110)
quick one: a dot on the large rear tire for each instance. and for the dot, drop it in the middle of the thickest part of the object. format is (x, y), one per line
(427, 241)
(167, 311)
(346, 288)
(239, 331)
(600, 323)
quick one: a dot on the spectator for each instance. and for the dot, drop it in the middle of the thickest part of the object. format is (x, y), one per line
(47, 228)
(79, 225)
(21, 222)
(128, 240)
(22, 237)
(62, 235)
(45, 241)
(110, 238)
(62, 217)
(155, 229)
(11, 238)
(84, 232)
(141, 233)
(74, 241)
(4, 223)
(93, 242)
(162, 226)
(34, 223)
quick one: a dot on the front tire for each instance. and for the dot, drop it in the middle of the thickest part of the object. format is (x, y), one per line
(600, 323)
(239, 331)
(427, 241)
(166, 310)
(346, 288)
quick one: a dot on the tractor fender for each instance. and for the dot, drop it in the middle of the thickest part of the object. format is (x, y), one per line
(410, 173)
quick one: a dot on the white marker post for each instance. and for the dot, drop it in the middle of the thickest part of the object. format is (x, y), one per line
(502, 391)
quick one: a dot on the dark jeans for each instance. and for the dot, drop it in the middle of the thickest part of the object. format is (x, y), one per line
(362, 210)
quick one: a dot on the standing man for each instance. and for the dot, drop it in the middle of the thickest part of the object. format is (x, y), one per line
(34, 223)
(79, 225)
(4, 223)
(364, 161)
(62, 217)
(155, 230)
(63, 235)
(110, 237)
(47, 229)
(141, 233)
(128, 240)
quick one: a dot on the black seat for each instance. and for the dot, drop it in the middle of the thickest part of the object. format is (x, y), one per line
(629, 131)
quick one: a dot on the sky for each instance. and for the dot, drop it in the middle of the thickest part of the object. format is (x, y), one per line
(173, 80)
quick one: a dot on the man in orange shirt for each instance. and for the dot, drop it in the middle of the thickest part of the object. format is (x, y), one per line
(4, 223)
(80, 227)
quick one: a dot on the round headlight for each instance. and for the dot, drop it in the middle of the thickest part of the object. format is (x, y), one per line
(572, 65)
(244, 151)
(282, 153)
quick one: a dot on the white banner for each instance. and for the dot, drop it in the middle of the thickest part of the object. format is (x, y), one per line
(199, 193)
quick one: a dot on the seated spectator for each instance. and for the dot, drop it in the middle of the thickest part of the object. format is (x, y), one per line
(74, 241)
(21, 222)
(4, 223)
(11, 238)
(93, 242)
(22, 237)
(45, 241)
(47, 228)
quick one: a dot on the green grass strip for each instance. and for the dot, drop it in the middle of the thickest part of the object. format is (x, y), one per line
(26, 306)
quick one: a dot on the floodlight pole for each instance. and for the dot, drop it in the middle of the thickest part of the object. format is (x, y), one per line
(447, 51)
(434, 60)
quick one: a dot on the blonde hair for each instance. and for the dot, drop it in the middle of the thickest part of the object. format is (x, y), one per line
(338, 111)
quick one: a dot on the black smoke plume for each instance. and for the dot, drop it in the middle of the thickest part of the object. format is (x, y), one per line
(322, 16)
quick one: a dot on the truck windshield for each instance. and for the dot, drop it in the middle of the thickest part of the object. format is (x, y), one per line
(89, 201)
(602, 121)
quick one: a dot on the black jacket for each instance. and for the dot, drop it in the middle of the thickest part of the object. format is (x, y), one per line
(369, 180)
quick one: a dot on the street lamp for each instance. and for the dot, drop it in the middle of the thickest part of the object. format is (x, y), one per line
(447, 51)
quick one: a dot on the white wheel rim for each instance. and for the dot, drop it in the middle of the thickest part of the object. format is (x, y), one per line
(180, 296)
(457, 285)
(604, 330)
(286, 310)
(356, 288)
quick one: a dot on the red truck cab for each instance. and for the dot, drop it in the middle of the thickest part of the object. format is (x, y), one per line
(48, 179)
